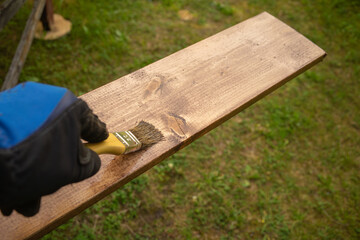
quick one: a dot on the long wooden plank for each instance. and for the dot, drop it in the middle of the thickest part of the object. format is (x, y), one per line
(23, 48)
(185, 95)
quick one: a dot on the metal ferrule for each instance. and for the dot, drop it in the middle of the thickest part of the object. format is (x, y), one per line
(131, 143)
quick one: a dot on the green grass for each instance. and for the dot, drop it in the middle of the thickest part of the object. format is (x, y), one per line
(285, 168)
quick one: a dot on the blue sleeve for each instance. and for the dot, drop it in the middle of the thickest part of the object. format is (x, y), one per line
(27, 107)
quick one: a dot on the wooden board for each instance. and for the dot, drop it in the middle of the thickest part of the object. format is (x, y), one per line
(184, 95)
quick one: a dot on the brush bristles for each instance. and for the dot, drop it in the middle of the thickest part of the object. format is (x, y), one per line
(147, 134)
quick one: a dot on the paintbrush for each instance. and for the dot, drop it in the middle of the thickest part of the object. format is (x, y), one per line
(140, 137)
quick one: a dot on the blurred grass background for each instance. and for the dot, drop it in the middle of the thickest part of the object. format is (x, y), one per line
(286, 168)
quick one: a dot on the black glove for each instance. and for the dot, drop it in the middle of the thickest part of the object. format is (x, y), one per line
(50, 157)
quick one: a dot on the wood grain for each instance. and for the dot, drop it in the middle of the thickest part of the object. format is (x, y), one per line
(184, 95)
(23, 48)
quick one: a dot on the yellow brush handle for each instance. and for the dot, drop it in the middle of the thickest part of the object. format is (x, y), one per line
(111, 145)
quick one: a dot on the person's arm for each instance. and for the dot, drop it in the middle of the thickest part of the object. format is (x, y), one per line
(41, 127)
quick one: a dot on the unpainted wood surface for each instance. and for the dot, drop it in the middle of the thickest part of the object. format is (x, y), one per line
(184, 95)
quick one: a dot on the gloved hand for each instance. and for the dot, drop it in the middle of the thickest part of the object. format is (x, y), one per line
(40, 146)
